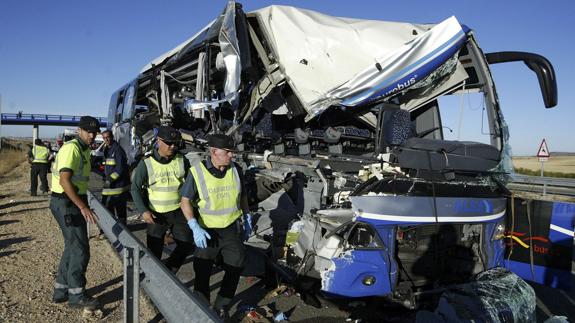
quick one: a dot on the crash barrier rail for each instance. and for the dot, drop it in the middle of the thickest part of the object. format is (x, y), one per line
(172, 298)
(555, 185)
(44, 119)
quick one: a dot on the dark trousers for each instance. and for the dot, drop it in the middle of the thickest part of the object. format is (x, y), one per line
(176, 223)
(228, 244)
(38, 169)
(76, 255)
(117, 205)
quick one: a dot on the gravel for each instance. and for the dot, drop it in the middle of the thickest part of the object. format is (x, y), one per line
(30, 247)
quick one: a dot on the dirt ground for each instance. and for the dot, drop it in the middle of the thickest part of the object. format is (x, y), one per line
(562, 164)
(30, 247)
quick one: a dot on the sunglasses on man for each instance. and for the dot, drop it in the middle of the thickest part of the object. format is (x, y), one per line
(169, 143)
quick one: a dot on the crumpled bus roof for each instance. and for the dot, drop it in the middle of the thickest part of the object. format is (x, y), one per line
(344, 61)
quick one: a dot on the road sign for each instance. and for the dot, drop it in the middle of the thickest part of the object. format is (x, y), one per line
(543, 150)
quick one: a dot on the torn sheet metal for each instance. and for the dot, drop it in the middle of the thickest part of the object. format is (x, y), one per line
(229, 47)
(349, 274)
(334, 60)
(231, 53)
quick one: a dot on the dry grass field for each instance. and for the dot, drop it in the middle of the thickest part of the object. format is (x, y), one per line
(558, 164)
(13, 153)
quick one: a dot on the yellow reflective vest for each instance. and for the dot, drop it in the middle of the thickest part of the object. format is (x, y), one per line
(219, 198)
(164, 182)
(40, 154)
(72, 156)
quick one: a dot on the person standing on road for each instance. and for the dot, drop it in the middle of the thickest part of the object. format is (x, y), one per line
(69, 205)
(213, 201)
(156, 192)
(116, 177)
(39, 157)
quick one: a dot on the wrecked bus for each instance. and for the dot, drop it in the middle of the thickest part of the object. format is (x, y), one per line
(343, 135)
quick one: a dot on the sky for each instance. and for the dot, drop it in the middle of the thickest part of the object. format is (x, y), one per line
(68, 57)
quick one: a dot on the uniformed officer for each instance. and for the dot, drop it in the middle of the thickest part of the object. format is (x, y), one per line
(213, 201)
(116, 177)
(69, 205)
(156, 192)
(39, 157)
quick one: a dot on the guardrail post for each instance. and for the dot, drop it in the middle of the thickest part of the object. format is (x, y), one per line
(542, 173)
(131, 284)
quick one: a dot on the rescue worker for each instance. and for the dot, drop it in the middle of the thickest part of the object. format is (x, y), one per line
(39, 157)
(213, 201)
(156, 184)
(116, 177)
(69, 205)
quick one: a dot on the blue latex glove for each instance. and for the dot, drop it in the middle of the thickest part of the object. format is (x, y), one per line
(200, 234)
(248, 226)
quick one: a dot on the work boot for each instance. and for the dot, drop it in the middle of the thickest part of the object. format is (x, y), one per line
(223, 314)
(221, 307)
(85, 302)
(60, 295)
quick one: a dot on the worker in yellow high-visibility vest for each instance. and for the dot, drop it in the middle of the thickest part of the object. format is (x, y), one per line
(156, 183)
(213, 201)
(69, 205)
(39, 157)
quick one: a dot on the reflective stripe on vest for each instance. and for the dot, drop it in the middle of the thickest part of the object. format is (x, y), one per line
(110, 162)
(80, 176)
(115, 191)
(40, 154)
(164, 182)
(219, 204)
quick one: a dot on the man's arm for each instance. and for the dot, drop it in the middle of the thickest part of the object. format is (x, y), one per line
(121, 164)
(187, 208)
(189, 194)
(244, 205)
(139, 182)
(66, 183)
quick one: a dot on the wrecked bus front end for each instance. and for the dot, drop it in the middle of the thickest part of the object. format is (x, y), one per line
(401, 237)
(375, 151)
(388, 205)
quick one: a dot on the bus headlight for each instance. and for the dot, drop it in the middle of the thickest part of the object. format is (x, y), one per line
(368, 280)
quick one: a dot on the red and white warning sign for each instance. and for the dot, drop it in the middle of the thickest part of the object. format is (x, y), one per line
(543, 151)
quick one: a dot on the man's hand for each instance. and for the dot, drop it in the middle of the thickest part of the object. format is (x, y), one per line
(89, 215)
(200, 235)
(148, 217)
(248, 226)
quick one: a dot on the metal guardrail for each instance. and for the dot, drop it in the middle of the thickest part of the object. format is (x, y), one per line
(553, 185)
(172, 298)
(538, 180)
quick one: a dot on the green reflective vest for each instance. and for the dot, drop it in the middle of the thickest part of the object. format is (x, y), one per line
(164, 182)
(40, 154)
(219, 204)
(71, 156)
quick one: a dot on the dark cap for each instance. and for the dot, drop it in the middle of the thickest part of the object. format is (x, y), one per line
(89, 124)
(169, 134)
(221, 141)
